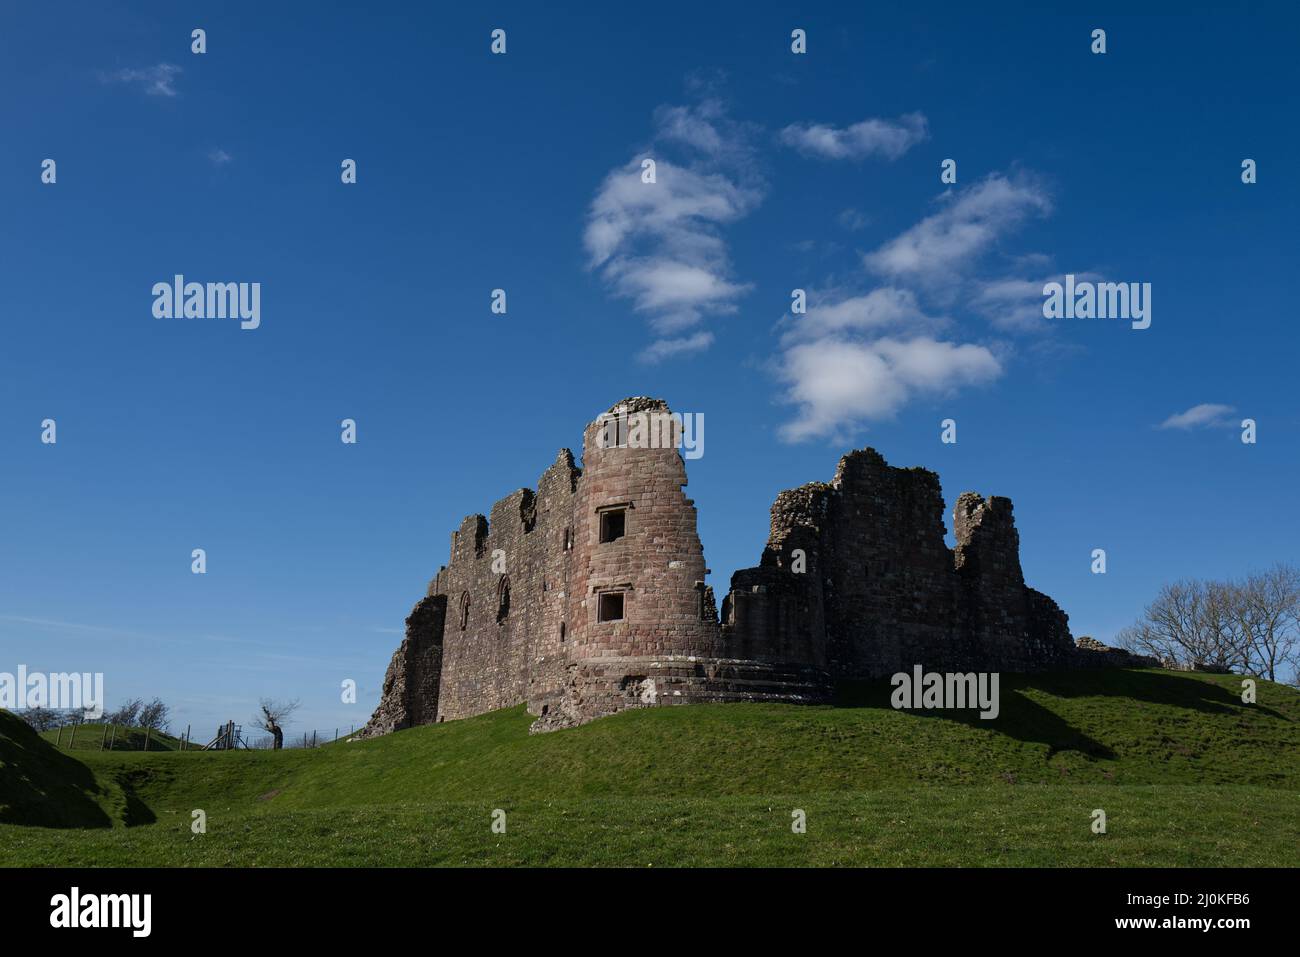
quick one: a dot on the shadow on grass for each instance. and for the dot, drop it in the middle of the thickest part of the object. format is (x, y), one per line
(1018, 717)
(1179, 689)
(41, 786)
(1023, 719)
(134, 811)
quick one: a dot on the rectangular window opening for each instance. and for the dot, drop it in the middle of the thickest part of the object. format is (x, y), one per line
(611, 606)
(613, 525)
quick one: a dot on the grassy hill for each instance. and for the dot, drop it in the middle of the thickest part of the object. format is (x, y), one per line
(44, 786)
(1186, 773)
(89, 737)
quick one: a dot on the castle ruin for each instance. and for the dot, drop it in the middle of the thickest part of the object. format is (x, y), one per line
(588, 595)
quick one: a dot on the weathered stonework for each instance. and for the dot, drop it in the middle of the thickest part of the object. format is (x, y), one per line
(588, 596)
(1096, 654)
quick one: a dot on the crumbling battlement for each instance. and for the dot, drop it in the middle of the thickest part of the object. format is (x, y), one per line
(588, 595)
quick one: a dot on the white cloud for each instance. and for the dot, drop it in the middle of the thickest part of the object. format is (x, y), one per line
(876, 311)
(1011, 304)
(1014, 304)
(873, 137)
(839, 383)
(676, 293)
(219, 157)
(853, 359)
(662, 349)
(970, 222)
(696, 126)
(677, 212)
(1205, 415)
(155, 80)
(659, 244)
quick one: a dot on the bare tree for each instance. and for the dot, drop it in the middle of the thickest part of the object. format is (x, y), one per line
(156, 714)
(1268, 612)
(1251, 626)
(1178, 627)
(127, 714)
(42, 719)
(275, 714)
(1225, 627)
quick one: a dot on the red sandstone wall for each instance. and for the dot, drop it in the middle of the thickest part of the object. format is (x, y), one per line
(492, 660)
(658, 563)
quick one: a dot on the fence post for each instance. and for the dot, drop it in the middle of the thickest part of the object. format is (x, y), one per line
(147, 732)
(72, 736)
(58, 736)
(103, 737)
(112, 738)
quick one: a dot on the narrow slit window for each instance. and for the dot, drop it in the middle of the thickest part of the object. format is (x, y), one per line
(503, 599)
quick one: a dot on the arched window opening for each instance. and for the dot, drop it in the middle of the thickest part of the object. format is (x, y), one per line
(503, 598)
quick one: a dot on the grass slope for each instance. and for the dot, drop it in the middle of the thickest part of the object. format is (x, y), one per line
(43, 786)
(1187, 775)
(90, 737)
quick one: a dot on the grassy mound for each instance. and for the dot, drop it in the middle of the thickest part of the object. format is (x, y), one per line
(43, 786)
(91, 737)
(1186, 773)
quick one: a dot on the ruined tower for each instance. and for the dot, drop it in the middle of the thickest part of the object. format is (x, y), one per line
(643, 622)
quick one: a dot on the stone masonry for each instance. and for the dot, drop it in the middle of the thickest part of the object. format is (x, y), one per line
(588, 595)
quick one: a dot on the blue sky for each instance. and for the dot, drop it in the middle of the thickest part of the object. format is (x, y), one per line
(776, 171)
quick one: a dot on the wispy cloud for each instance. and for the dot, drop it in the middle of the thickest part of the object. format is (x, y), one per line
(888, 139)
(663, 349)
(943, 245)
(1014, 303)
(219, 157)
(157, 80)
(659, 244)
(853, 220)
(856, 358)
(50, 623)
(882, 308)
(1207, 415)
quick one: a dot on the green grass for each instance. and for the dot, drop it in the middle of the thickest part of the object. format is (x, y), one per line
(90, 737)
(1186, 773)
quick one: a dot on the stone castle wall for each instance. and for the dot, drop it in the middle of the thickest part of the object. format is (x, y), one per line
(505, 587)
(588, 596)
